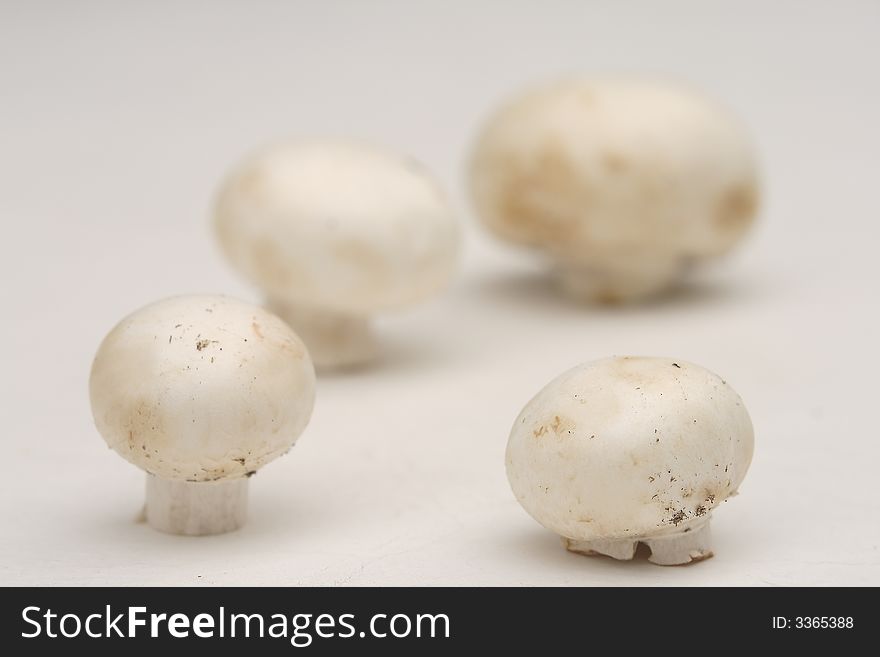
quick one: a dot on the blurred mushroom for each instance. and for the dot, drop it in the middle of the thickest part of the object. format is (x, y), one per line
(621, 183)
(334, 231)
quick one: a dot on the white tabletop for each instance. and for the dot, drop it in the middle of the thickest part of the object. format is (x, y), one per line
(116, 121)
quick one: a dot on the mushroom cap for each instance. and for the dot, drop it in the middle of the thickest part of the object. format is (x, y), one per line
(337, 225)
(610, 172)
(629, 447)
(201, 388)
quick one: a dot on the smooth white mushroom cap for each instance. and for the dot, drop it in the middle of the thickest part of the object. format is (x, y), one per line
(625, 178)
(201, 388)
(629, 447)
(337, 225)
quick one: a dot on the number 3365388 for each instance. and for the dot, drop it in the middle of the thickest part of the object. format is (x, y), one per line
(823, 622)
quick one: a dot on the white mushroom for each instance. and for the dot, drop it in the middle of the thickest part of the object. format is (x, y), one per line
(201, 392)
(621, 183)
(334, 231)
(631, 450)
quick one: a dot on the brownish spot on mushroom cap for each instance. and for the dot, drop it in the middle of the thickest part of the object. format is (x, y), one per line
(558, 424)
(256, 329)
(608, 298)
(541, 199)
(561, 424)
(736, 208)
(295, 349)
(586, 98)
(372, 267)
(614, 162)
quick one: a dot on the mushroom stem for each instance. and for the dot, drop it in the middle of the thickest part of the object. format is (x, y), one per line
(196, 508)
(612, 283)
(677, 548)
(334, 339)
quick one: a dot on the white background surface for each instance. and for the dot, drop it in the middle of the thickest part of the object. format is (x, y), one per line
(116, 121)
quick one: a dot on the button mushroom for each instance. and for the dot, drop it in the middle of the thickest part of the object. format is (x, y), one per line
(620, 183)
(201, 392)
(631, 450)
(334, 231)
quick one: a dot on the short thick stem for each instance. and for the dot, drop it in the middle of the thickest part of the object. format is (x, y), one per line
(334, 340)
(692, 543)
(613, 283)
(196, 508)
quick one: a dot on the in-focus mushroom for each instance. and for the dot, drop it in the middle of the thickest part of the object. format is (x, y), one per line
(334, 231)
(631, 450)
(621, 183)
(201, 392)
